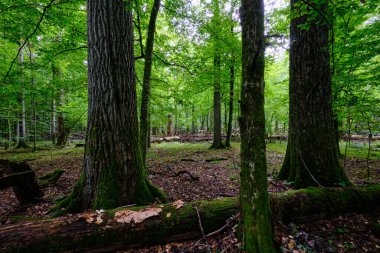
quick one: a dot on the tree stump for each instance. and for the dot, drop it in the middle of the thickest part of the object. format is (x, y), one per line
(23, 181)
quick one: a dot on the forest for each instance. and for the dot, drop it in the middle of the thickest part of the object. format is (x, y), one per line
(190, 126)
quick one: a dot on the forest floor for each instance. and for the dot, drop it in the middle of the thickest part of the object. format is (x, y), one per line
(190, 171)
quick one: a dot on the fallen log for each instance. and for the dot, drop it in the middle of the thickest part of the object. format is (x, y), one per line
(130, 227)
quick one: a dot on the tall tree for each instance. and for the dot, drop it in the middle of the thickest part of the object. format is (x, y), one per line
(232, 86)
(312, 156)
(145, 96)
(217, 136)
(254, 197)
(114, 171)
(21, 124)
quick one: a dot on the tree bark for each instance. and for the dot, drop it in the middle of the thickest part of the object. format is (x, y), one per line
(114, 171)
(254, 199)
(312, 156)
(171, 224)
(145, 95)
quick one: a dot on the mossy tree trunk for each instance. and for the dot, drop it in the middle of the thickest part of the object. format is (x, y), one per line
(145, 95)
(114, 171)
(312, 156)
(254, 197)
(217, 136)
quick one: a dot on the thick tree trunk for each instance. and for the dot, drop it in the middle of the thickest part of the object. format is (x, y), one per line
(254, 199)
(312, 157)
(145, 95)
(171, 224)
(217, 138)
(114, 170)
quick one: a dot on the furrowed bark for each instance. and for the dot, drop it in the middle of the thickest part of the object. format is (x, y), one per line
(171, 224)
(312, 156)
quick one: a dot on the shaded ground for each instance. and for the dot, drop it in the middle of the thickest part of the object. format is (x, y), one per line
(192, 172)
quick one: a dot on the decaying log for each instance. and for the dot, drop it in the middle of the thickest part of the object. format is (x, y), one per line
(23, 181)
(129, 227)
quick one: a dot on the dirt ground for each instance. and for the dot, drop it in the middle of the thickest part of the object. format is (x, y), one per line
(192, 172)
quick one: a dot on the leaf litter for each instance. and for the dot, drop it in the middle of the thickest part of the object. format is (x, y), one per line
(216, 178)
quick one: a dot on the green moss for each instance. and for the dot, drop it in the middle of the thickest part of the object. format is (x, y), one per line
(19, 218)
(50, 178)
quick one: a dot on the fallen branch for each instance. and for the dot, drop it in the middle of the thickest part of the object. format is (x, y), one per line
(216, 159)
(123, 228)
(178, 173)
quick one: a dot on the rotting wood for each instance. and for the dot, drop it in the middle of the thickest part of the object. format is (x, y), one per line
(171, 224)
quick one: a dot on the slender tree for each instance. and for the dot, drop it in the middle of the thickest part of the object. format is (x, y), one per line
(145, 96)
(114, 171)
(21, 124)
(254, 197)
(217, 136)
(312, 156)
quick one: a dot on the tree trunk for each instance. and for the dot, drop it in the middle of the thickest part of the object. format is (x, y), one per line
(63, 130)
(145, 95)
(171, 224)
(254, 197)
(53, 120)
(114, 171)
(217, 137)
(231, 102)
(33, 88)
(169, 131)
(193, 130)
(312, 156)
(9, 132)
(21, 124)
